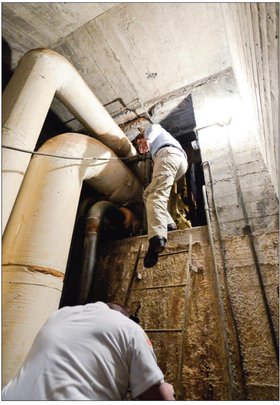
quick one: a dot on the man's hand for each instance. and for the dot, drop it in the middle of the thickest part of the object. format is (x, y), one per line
(163, 392)
(143, 145)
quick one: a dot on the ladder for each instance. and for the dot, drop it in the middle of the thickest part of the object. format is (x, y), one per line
(135, 275)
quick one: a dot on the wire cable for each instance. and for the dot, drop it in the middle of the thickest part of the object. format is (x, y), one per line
(137, 157)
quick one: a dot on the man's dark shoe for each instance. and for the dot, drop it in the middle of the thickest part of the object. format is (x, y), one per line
(156, 246)
(171, 227)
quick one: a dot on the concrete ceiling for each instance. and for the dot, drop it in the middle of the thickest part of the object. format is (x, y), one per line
(126, 52)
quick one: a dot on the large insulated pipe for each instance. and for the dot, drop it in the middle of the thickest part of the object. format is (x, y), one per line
(38, 236)
(95, 220)
(40, 75)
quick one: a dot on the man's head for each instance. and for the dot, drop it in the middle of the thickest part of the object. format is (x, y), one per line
(117, 307)
(137, 140)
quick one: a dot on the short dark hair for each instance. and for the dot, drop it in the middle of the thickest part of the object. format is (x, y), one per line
(117, 307)
(138, 136)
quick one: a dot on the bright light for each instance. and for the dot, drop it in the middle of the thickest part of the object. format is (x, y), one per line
(228, 112)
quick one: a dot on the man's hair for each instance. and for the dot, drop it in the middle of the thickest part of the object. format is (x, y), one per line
(138, 136)
(141, 129)
(117, 307)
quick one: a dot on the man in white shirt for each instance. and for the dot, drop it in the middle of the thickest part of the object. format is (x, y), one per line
(89, 352)
(170, 164)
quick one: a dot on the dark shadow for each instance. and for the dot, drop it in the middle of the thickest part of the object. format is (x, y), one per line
(195, 181)
(7, 71)
(78, 268)
(72, 275)
(181, 121)
(53, 126)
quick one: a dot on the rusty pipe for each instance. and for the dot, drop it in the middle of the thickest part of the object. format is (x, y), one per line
(94, 227)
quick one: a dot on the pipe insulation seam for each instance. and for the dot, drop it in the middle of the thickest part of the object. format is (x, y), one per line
(33, 269)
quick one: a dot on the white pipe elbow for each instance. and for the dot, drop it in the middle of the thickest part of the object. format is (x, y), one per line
(41, 74)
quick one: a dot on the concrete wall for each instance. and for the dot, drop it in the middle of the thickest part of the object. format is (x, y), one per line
(245, 222)
(144, 50)
(253, 31)
(245, 215)
(35, 25)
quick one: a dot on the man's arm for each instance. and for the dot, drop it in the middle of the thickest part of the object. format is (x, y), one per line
(163, 392)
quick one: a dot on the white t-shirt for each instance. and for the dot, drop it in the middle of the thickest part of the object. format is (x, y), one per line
(87, 352)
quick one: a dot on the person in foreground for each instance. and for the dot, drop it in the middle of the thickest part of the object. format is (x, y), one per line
(89, 352)
(170, 164)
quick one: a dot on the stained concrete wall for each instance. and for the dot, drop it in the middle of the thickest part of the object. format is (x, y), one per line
(163, 310)
(227, 350)
(245, 214)
(244, 209)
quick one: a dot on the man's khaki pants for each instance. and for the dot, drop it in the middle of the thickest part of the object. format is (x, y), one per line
(169, 165)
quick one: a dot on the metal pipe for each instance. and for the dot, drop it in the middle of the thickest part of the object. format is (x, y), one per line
(176, 252)
(163, 330)
(95, 219)
(146, 111)
(40, 75)
(68, 296)
(185, 321)
(38, 236)
(220, 301)
(223, 254)
(247, 231)
(157, 287)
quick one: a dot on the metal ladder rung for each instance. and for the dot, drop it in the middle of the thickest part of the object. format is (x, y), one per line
(158, 287)
(163, 330)
(176, 252)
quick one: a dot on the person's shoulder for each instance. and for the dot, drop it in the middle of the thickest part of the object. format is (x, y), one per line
(154, 128)
(138, 332)
(79, 310)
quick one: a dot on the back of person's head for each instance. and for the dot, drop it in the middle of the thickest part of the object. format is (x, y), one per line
(117, 307)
